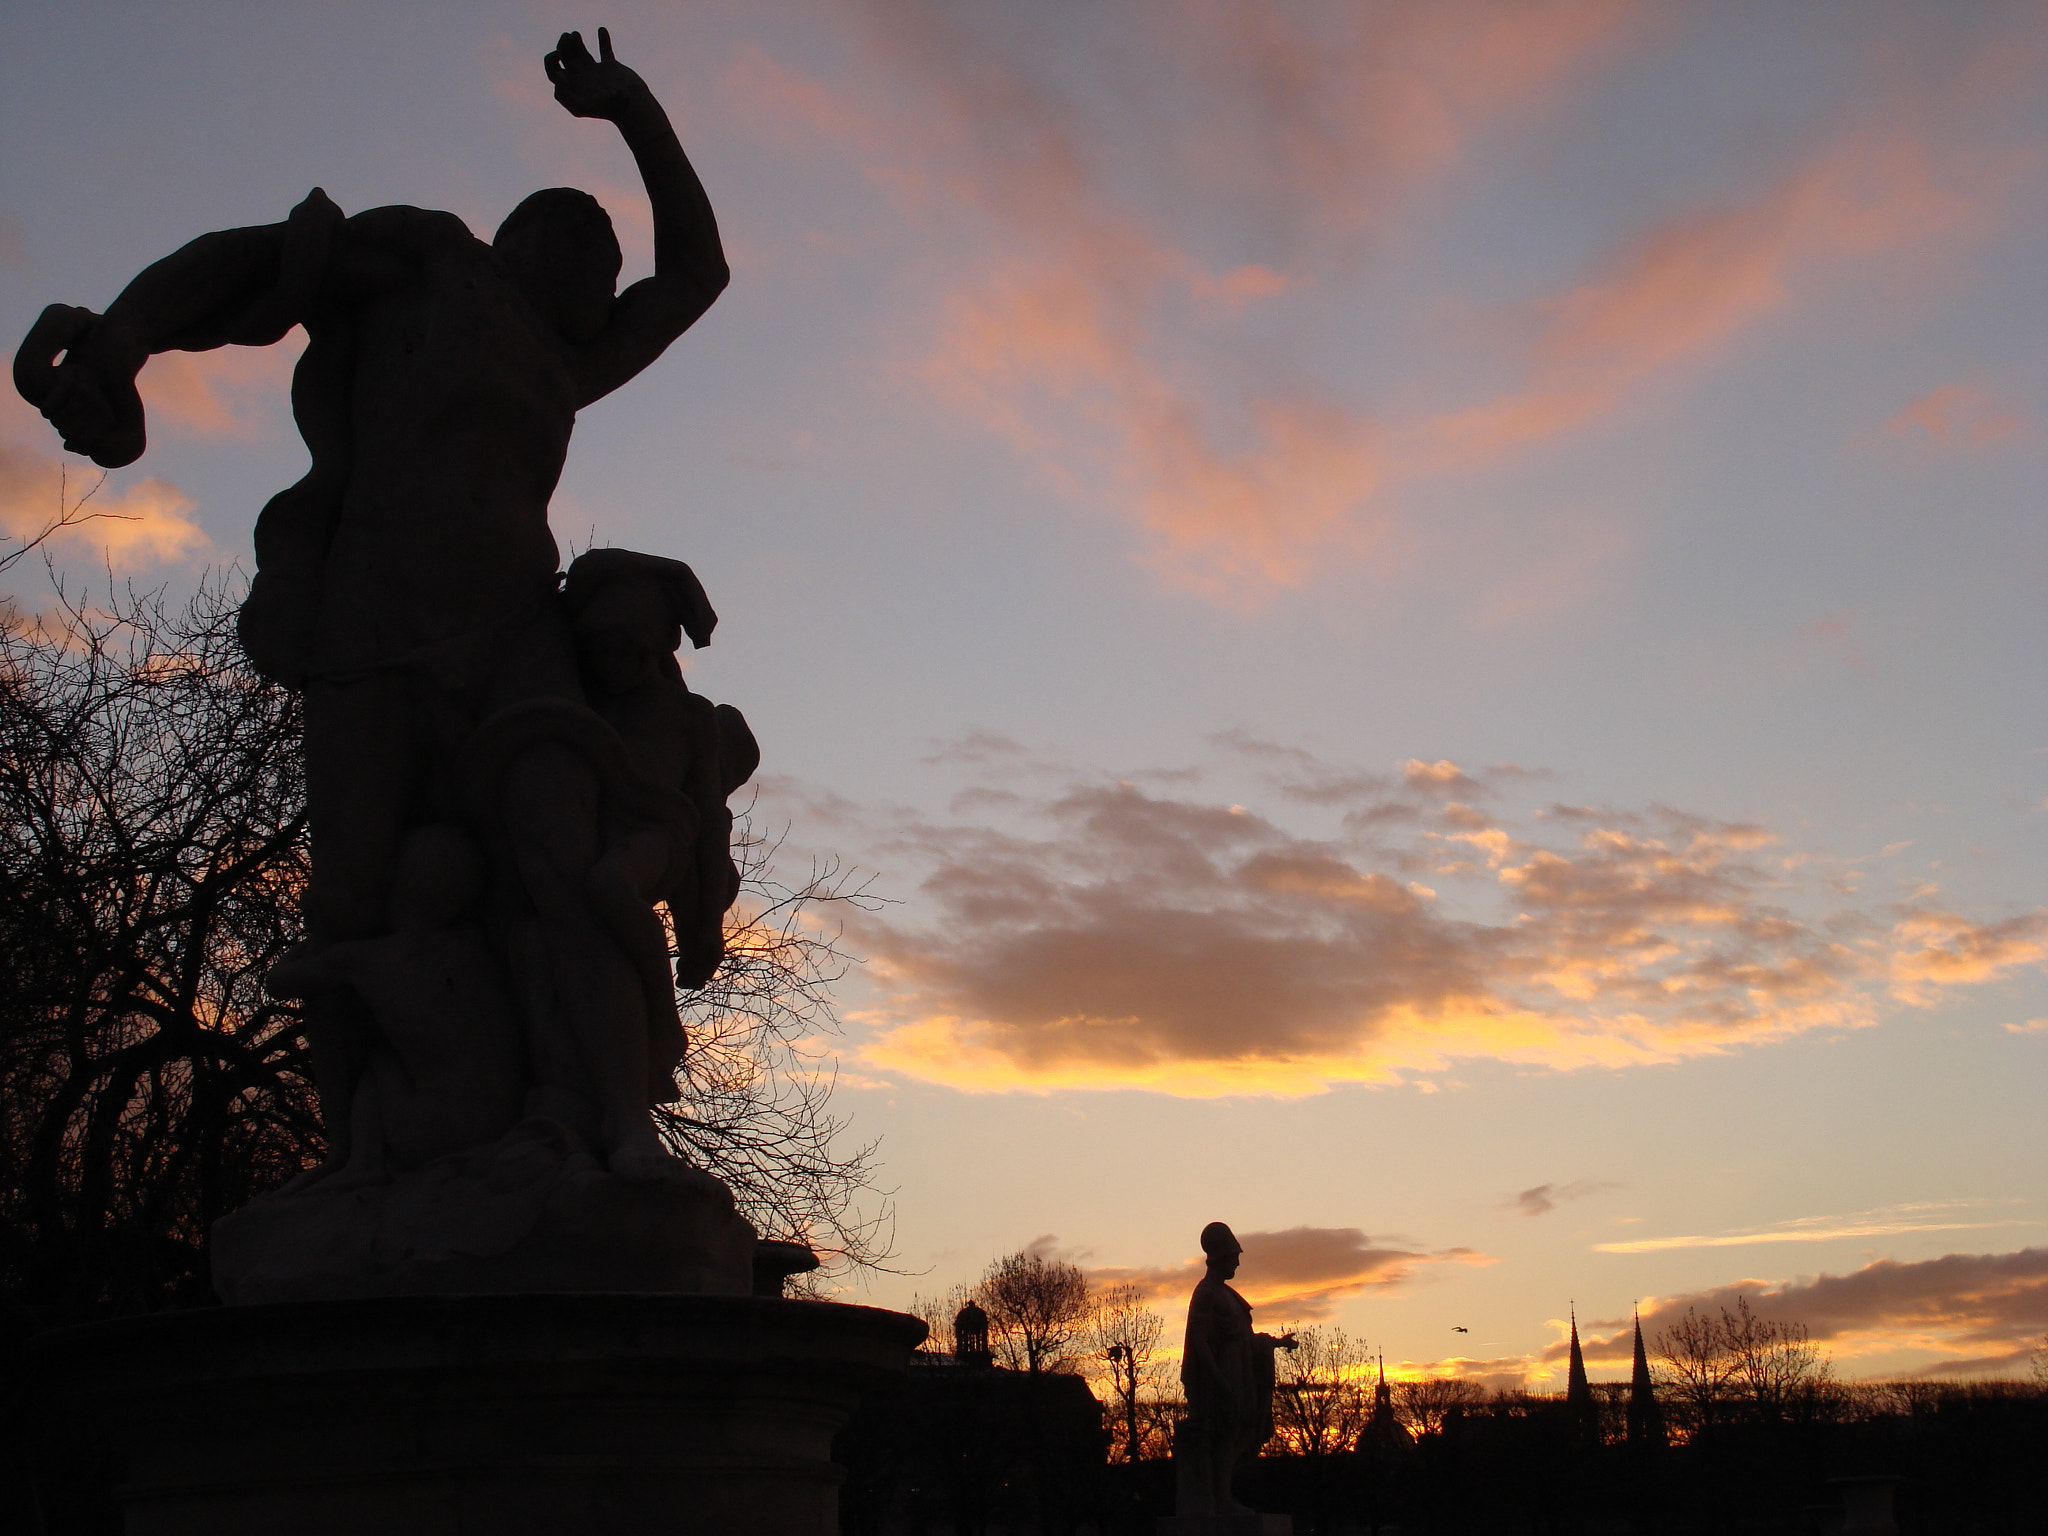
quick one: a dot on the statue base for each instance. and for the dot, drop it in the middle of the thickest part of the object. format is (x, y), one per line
(532, 1212)
(452, 1415)
(1224, 1525)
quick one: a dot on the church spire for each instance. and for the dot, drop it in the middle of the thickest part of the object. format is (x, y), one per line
(1645, 1418)
(1577, 1390)
(1383, 1431)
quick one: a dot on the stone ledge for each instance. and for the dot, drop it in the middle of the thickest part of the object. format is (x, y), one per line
(452, 1415)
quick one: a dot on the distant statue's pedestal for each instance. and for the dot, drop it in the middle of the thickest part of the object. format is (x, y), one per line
(1224, 1525)
(534, 1415)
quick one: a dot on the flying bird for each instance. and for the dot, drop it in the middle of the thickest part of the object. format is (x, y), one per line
(1461, 1330)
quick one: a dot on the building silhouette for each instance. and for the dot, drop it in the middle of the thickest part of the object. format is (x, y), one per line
(970, 1337)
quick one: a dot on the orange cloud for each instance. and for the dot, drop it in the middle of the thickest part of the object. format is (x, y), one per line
(1148, 939)
(142, 523)
(1955, 416)
(231, 392)
(1944, 949)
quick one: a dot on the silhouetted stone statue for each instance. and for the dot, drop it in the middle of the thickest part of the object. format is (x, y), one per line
(504, 777)
(1227, 1372)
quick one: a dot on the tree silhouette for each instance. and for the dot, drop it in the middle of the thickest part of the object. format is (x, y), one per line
(1037, 1308)
(1124, 1335)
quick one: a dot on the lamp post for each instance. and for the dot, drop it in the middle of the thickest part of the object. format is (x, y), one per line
(1127, 1385)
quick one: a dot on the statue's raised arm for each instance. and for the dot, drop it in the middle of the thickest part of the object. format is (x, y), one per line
(689, 260)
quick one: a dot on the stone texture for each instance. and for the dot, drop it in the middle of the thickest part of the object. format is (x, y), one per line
(506, 1415)
(535, 1211)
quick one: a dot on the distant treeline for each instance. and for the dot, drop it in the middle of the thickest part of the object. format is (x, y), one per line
(960, 1451)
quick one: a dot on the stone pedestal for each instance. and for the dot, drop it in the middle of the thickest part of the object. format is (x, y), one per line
(1224, 1525)
(533, 1211)
(538, 1415)
(1867, 1504)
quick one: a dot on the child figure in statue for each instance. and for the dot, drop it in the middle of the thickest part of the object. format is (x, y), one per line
(630, 612)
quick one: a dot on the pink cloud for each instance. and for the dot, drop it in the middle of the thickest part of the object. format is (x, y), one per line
(1089, 341)
(1676, 293)
(1956, 416)
(130, 524)
(231, 392)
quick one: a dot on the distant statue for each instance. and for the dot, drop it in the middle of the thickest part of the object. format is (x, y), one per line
(1227, 1372)
(408, 585)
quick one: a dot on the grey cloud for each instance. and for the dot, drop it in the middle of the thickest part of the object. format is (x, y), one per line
(1302, 1272)
(1116, 930)
(1541, 1199)
(1994, 1303)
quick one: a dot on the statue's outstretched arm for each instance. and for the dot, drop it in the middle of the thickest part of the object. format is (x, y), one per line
(689, 260)
(246, 286)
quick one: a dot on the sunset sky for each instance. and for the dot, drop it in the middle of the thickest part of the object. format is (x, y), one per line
(1429, 616)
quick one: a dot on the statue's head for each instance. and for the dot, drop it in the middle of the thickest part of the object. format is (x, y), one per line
(1222, 1248)
(561, 251)
(630, 613)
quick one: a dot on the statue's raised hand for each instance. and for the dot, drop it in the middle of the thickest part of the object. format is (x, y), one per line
(599, 87)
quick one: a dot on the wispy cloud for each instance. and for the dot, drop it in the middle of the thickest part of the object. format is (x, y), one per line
(1091, 315)
(1884, 1222)
(1956, 416)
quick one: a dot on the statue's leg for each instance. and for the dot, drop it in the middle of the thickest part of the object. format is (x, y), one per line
(550, 813)
(619, 886)
(1234, 1446)
(357, 774)
(360, 778)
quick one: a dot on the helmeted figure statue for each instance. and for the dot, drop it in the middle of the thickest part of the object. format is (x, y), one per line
(1226, 1370)
(505, 777)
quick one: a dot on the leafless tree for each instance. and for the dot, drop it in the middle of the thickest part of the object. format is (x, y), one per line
(1037, 1309)
(1123, 1335)
(1321, 1401)
(1737, 1363)
(757, 1083)
(1773, 1367)
(937, 1314)
(1692, 1353)
(1422, 1404)
(152, 850)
